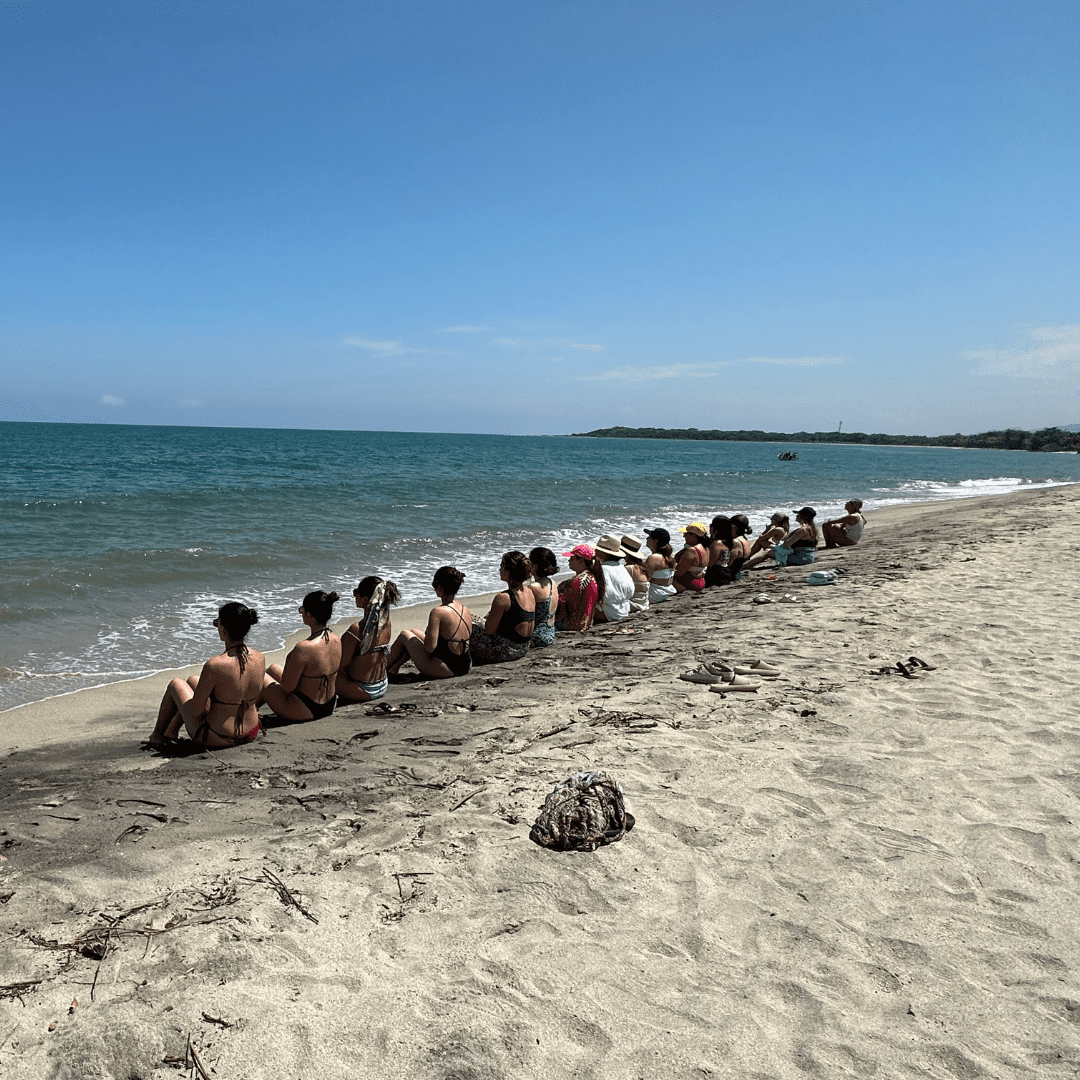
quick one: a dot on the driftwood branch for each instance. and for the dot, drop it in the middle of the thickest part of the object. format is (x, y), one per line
(286, 895)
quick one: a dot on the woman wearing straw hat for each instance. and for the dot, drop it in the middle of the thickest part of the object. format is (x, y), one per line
(618, 584)
(635, 567)
(693, 559)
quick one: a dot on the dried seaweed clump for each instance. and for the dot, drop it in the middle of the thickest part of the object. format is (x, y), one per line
(584, 812)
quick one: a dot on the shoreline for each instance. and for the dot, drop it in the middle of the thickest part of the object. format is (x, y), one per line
(406, 617)
(843, 873)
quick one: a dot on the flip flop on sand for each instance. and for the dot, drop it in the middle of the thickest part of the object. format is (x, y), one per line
(764, 598)
(749, 667)
(916, 662)
(701, 675)
(736, 682)
(384, 708)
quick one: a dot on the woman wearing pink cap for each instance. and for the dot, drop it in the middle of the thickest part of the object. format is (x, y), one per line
(583, 593)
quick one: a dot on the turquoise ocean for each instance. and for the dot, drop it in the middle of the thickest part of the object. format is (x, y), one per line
(118, 543)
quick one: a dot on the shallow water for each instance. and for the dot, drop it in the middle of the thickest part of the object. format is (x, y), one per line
(120, 542)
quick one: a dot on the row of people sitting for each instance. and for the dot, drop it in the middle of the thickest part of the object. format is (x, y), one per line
(220, 707)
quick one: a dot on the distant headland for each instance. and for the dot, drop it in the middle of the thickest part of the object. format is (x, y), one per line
(1048, 440)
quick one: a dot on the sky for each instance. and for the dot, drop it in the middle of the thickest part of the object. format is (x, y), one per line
(541, 217)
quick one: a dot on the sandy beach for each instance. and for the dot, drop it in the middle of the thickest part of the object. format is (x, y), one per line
(845, 874)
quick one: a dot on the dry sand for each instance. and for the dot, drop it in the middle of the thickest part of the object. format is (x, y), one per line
(843, 875)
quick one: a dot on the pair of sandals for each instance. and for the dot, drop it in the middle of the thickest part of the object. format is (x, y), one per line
(384, 708)
(724, 677)
(909, 668)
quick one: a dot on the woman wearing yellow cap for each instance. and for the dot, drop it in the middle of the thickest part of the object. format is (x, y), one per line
(693, 559)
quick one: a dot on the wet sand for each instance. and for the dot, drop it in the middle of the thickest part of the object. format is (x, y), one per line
(845, 874)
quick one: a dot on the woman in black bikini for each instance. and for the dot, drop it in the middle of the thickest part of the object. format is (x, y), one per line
(313, 664)
(441, 651)
(507, 631)
(219, 706)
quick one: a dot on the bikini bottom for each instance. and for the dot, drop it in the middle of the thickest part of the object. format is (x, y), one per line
(203, 732)
(318, 709)
(372, 689)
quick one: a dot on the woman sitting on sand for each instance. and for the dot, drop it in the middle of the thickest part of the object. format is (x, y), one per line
(716, 573)
(312, 663)
(740, 545)
(693, 559)
(797, 548)
(442, 650)
(362, 676)
(845, 531)
(763, 546)
(583, 593)
(547, 596)
(219, 707)
(660, 565)
(635, 567)
(507, 631)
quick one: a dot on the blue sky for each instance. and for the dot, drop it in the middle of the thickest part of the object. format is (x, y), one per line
(541, 217)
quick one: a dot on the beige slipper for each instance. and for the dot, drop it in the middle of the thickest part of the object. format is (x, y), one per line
(701, 675)
(735, 682)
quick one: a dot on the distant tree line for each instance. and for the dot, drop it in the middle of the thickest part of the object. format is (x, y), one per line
(1046, 439)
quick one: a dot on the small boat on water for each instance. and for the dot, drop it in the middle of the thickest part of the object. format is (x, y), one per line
(787, 455)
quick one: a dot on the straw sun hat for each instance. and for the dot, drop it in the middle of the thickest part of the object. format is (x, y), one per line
(610, 545)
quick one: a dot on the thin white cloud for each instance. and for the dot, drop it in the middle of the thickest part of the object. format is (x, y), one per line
(584, 346)
(383, 348)
(466, 329)
(663, 371)
(557, 359)
(1054, 352)
(794, 361)
(698, 371)
(108, 399)
(189, 403)
(562, 343)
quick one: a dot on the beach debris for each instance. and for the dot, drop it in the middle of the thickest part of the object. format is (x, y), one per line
(583, 813)
(17, 989)
(286, 895)
(207, 1018)
(363, 736)
(458, 805)
(191, 1060)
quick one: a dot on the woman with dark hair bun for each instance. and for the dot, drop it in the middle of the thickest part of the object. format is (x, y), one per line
(740, 546)
(219, 706)
(719, 549)
(546, 595)
(507, 631)
(442, 650)
(313, 662)
(362, 676)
